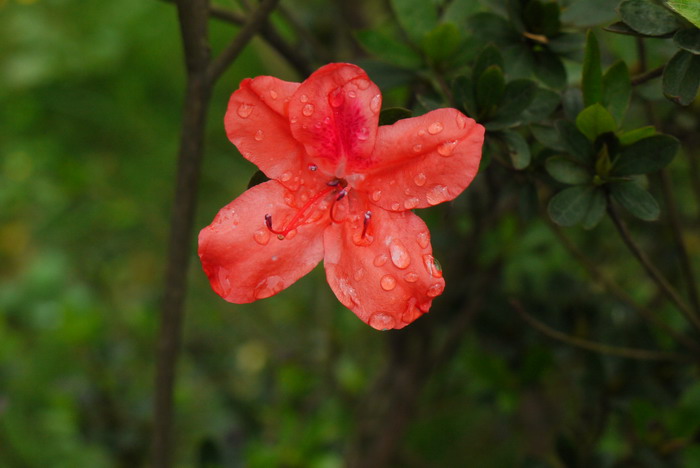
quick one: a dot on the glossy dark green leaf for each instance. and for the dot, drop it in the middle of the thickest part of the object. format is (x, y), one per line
(416, 17)
(588, 13)
(518, 149)
(388, 48)
(637, 201)
(547, 136)
(570, 206)
(518, 95)
(621, 28)
(688, 39)
(257, 178)
(646, 155)
(489, 56)
(463, 93)
(596, 210)
(392, 115)
(592, 74)
(595, 120)
(489, 90)
(682, 77)
(442, 42)
(490, 27)
(549, 68)
(648, 17)
(575, 142)
(541, 17)
(688, 9)
(542, 106)
(632, 136)
(617, 89)
(566, 171)
(569, 45)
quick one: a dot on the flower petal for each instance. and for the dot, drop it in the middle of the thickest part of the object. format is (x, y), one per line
(256, 122)
(423, 161)
(334, 114)
(388, 278)
(244, 260)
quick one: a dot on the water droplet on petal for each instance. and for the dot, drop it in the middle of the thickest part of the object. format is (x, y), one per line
(399, 255)
(269, 287)
(421, 132)
(362, 134)
(336, 98)
(291, 234)
(411, 277)
(259, 135)
(349, 293)
(376, 103)
(308, 110)
(376, 195)
(417, 148)
(432, 266)
(395, 206)
(273, 94)
(286, 176)
(411, 312)
(435, 128)
(362, 83)
(423, 239)
(435, 290)
(381, 321)
(244, 110)
(359, 274)
(304, 98)
(387, 282)
(313, 167)
(461, 121)
(262, 236)
(447, 148)
(224, 281)
(293, 120)
(420, 179)
(411, 203)
(352, 94)
(380, 260)
(289, 199)
(437, 194)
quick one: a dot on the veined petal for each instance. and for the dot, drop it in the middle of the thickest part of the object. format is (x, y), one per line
(387, 277)
(256, 122)
(244, 260)
(334, 114)
(423, 161)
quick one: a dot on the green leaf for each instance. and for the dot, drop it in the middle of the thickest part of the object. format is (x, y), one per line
(575, 142)
(518, 149)
(592, 75)
(388, 49)
(622, 28)
(489, 90)
(489, 56)
(442, 42)
(688, 9)
(416, 17)
(566, 171)
(541, 17)
(549, 68)
(688, 39)
(617, 89)
(596, 210)
(547, 136)
(594, 121)
(257, 178)
(463, 93)
(632, 136)
(647, 17)
(391, 115)
(588, 13)
(571, 205)
(646, 155)
(490, 27)
(682, 77)
(518, 95)
(640, 203)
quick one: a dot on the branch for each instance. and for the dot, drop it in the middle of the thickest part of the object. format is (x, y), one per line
(632, 353)
(647, 76)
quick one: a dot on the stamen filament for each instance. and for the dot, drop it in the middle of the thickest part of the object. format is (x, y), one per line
(297, 219)
(365, 223)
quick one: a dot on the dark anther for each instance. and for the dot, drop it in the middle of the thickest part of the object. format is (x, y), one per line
(268, 221)
(341, 194)
(313, 167)
(365, 223)
(333, 182)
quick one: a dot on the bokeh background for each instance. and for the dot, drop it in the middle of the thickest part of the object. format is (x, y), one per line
(90, 110)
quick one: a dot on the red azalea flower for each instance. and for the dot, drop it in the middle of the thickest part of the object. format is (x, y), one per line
(342, 190)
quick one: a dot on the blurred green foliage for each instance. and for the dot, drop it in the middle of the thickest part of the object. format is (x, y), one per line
(90, 99)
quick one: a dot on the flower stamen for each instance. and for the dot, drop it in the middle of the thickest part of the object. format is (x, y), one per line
(365, 223)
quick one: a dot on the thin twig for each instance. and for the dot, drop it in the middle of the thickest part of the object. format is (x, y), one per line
(632, 353)
(665, 287)
(246, 33)
(647, 76)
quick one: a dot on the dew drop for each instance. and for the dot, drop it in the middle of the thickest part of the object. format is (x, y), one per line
(411, 203)
(359, 274)
(376, 103)
(224, 281)
(423, 239)
(273, 94)
(352, 94)
(304, 98)
(421, 132)
(291, 234)
(461, 121)
(380, 260)
(289, 199)
(447, 148)
(432, 265)
(399, 255)
(293, 120)
(269, 287)
(362, 83)
(336, 98)
(348, 292)
(259, 135)
(437, 194)
(308, 110)
(435, 290)
(420, 179)
(313, 167)
(262, 236)
(411, 312)
(395, 206)
(411, 277)
(363, 134)
(435, 128)
(286, 176)
(417, 148)
(387, 282)
(376, 195)
(244, 110)
(381, 321)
